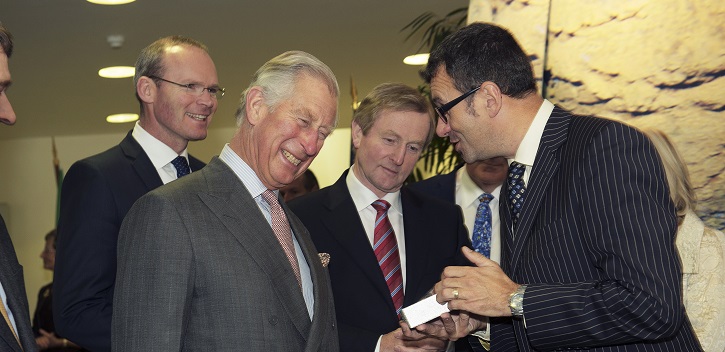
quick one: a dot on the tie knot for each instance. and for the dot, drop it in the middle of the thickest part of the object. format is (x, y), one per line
(270, 197)
(381, 205)
(485, 197)
(181, 165)
(516, 170)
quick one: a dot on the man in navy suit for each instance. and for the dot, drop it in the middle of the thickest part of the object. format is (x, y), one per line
(474, 187)
(588, 259)
(392, 126)
(178, 90)
(15, 332)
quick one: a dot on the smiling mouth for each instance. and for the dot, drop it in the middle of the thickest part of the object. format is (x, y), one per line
(197, 116)
(291, 158)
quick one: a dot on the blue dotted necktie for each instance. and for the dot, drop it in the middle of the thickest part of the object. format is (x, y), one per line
(516, 190)
(482, 226)
(181, 165)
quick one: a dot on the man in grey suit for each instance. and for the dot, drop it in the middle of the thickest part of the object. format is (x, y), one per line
(588, 257)
(214, 261)
(15, 332)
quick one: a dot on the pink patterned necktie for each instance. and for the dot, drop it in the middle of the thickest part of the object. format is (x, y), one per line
(282, 230)
(386, 251)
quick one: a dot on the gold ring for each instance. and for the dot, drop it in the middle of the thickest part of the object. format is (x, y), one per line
(455, 294)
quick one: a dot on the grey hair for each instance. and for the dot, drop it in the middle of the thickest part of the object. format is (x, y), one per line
(278, 76)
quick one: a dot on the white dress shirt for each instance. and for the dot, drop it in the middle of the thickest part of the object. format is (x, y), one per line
(160, 154)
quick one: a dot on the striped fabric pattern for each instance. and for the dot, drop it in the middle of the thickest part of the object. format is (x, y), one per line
(595, 245)
(386, 251)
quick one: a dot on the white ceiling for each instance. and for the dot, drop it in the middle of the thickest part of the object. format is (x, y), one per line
(61, 44)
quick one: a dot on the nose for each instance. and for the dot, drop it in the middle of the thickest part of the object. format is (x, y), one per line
(442, 128)
(310, 142)
(398, 155)
(7, 115)
(207, 99)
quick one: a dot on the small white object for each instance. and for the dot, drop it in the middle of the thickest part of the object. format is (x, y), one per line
(115, 40)
(423, 311)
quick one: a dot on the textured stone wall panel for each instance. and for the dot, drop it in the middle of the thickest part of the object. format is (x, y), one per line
(658, 64)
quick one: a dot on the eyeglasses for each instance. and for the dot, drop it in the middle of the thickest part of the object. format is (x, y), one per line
(191, 88)
(443, 109)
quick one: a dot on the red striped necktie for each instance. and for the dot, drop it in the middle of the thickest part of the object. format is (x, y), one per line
(386, 251)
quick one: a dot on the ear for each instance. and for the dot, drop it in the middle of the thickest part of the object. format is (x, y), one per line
(357, 134)
(255, 107)
(493, 98)
(146, 89)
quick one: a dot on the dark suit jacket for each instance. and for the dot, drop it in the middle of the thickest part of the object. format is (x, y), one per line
(440, 186)
(11, 277)
(212, 275)
(595, 244)
(96, 194)
(434, 234)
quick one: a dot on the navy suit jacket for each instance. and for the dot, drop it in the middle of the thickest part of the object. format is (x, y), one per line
(97, 193)
(11, 276)
(434, 235)
(595, 244)
(440, 186)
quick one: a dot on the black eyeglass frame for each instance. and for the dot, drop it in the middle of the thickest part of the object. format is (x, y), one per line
(216, 92)
(443, 109)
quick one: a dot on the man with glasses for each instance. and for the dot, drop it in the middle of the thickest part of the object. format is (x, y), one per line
(588, 256)
(15, 331)
(388, 245)
(178, 92)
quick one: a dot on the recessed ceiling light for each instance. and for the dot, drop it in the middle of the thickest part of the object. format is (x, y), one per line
(110, 2)
(117, 72)
(121, 118)
(417, 59)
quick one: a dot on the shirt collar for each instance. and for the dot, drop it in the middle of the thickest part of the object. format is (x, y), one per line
(245, 173)
(526, 154)
(159, 153)
(363, 197)
(469, 190)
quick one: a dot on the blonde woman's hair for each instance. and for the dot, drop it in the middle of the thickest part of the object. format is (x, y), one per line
(678, 177)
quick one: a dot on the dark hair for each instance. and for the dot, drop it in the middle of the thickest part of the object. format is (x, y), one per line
(6, 41)
(483, 52)
(50, 235)
(310, 181)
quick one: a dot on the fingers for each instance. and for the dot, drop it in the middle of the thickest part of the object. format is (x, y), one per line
(476, 258)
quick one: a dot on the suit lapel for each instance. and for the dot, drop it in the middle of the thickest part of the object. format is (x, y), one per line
(140, 162)
(416, 247)
(239, 213)
(345, 226)
(546, 165)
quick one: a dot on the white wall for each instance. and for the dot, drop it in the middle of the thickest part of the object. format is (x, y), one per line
(28, 191)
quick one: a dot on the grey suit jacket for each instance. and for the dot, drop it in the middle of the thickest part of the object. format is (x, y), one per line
(200, 269)
(11, 276)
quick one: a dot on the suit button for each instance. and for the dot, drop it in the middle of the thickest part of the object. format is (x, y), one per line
(273, 320)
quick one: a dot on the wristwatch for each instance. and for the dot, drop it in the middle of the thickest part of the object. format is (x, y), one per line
(516, 301)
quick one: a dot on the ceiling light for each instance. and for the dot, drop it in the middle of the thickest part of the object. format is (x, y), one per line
(121, 118)
(110, 2)
(117, 72)
(417, 59)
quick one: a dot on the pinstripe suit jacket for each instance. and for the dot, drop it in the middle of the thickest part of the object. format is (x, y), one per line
(199, 269)
(595, 244)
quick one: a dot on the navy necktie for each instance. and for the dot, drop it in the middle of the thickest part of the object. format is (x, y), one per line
(181, 165)
(516, 190)
(482, 226)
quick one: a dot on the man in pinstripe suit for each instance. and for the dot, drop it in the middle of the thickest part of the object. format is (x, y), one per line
(590, 262)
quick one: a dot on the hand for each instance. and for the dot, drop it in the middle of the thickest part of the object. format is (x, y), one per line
(483, 289)
(397, 341)
(450, 326)
(48, 340)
